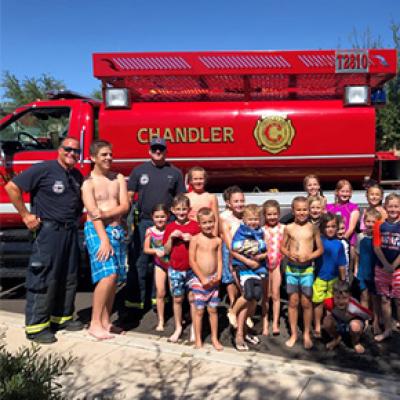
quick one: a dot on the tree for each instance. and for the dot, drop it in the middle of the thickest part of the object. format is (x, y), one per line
(18, 93)
(388, 117)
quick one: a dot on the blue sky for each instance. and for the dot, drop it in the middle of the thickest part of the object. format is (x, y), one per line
(59, 36)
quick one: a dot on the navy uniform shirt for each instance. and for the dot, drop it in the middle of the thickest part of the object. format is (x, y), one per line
(155, 185)
(55, 191)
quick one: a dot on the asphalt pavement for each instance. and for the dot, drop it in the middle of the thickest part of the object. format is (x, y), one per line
(379, 358)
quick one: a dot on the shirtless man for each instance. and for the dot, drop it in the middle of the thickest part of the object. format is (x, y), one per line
(301, 245)
(205, 258)
(105, 197)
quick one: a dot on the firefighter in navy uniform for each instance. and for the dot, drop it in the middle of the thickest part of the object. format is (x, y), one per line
(56, 207)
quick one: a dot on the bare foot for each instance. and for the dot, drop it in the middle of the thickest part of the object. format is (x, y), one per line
(176, 335)
(292, 341)
(116, 330)
(386, 334)
(198, 345)
(232, 319)
(265, 330)
(307, 342)
(359, 348)
(99, 333)
(333, 343)
(217, 345)
(160, 327)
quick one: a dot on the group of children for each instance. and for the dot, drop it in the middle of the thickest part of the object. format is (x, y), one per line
(323, 250)
(247, 249)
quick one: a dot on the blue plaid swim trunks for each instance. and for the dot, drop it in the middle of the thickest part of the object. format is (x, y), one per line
(115, 264)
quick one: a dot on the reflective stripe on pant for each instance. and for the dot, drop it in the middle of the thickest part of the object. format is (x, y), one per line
(51, 278)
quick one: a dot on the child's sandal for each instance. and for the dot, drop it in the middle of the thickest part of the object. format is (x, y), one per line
(252, 339)
(241, 346)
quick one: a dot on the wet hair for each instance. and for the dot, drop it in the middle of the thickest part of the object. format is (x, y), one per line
(97, 145)
(311, 200)
(324, 220)
(251, 209)
(341, 287)
(234, 189)
(308, 178)
(160, 207)
(271, 204)
(196, 169)
(299, 199)
(372, 212)
(204, 212)
(391, 196)
(181, 199)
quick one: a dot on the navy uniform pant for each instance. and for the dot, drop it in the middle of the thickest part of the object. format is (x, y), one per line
(52, 277)
(140, 280)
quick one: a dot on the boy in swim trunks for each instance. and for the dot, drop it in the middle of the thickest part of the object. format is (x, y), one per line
(176, 241)
(205, 258)
(105, 196)
(301, 245)
(346, 317)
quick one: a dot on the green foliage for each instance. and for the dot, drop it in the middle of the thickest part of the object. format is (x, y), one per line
(28, 375)
(18, 93)
(388, 117)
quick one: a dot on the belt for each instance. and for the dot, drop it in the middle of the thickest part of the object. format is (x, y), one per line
(59, 225)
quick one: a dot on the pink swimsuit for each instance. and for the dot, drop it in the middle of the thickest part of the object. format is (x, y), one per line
(273, 238)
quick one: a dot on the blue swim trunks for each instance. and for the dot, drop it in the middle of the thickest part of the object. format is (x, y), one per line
(227, 277)
(178, 281)
(116, 264)
(299, 279)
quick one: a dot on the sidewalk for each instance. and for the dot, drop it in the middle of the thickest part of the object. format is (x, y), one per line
(139, 366)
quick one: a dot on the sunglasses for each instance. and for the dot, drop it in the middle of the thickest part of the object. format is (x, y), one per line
(69, 149)
(157, 148)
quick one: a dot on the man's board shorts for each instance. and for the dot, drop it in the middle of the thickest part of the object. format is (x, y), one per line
(178, 280)
(299, 278)
(322, 289)
(227, 277)
(116, 263)
(387, 283)
(204, 297)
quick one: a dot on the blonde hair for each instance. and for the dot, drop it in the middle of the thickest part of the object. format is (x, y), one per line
(372, 212)
(204, 212)
(341, 183)
(391, 196)
(251, 209)
(311, 200)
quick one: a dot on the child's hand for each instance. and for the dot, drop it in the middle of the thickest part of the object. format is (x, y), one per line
(176, 233)
(105, 251)
(205, 282)
(160, 253)
(186, 237)
(302, 259)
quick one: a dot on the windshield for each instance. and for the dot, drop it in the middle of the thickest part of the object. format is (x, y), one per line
(35, 129)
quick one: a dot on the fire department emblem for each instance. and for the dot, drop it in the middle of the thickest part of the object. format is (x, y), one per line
(274, 133)
(58, 187)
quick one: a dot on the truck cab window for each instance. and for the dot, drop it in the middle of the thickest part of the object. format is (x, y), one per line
(35, 129)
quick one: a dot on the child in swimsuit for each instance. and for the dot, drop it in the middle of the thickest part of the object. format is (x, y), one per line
(153, 245)
(205, 259)
(273, 231)
(197, 179)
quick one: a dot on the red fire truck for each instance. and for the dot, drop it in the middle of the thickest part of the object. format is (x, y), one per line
(258, 119)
